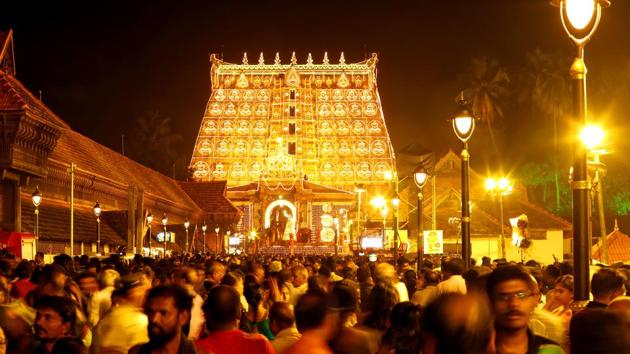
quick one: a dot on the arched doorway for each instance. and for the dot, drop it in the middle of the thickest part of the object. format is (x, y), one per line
(283, 212)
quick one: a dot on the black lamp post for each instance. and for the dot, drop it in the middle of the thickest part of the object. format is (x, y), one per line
(97, 213)
(36, 197)
(164, 223)
(149, 221)
(580, 20)
(395, 206)
(464, 125)
(420, 176)
(186, 226)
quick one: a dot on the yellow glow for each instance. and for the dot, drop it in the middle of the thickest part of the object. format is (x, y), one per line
(378, 202)
(252, 235)
(580, 12)
(463, 125)
(592, 136)
(491, 184)
(396, 203)
(504, 183)
(388, 175)
(384, 212)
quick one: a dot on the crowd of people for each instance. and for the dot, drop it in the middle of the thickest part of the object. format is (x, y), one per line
(254, 304)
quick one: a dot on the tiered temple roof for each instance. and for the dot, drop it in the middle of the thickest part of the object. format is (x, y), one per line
(276, 121)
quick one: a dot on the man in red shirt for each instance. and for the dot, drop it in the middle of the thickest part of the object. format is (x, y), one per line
(222, 310)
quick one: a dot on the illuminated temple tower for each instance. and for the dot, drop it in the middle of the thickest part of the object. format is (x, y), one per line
(293, 139)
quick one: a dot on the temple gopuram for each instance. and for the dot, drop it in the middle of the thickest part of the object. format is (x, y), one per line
(293, 141)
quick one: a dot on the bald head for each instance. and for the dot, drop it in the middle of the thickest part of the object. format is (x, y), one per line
(222, 308)
(281, 317)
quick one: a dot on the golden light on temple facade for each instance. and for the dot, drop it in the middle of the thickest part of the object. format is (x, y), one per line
(289, 121)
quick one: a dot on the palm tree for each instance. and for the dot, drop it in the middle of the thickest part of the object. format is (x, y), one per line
(487, 86)
(546, 90)
(154, 143)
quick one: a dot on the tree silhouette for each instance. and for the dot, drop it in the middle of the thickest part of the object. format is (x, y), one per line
(153, 142)
(487, 86)
(546, 91)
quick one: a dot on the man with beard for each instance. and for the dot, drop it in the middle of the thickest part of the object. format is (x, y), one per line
(514, 294)
(168, 309)
(56, 318)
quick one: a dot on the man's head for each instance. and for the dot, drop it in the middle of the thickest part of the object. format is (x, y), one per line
(299, 275)
(109, 277)
(280, 317)
(222, 308)
(186, 277)
(311, 314)
(168, 309)
(514, 295)
(88, 283)
(56, 275)
(454, 266)
(385, 272)
(56, 317)
(607, 284)
(215, 272)
(131, 290)
(258, 272)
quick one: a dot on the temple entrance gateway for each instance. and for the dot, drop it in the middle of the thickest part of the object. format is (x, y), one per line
(280, 218)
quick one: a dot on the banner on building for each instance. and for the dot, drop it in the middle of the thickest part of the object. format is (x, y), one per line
(433, 242)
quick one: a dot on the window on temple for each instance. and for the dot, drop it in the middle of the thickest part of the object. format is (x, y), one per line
(291, 148)
(292, 111)
(292, 94)
(292, 128)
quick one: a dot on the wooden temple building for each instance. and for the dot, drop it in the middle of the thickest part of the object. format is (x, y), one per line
(39, 149)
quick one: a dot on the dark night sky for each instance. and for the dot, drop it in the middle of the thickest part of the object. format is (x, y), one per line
(101, 64)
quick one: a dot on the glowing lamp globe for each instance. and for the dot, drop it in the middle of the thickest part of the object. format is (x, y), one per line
(463, 120)
(149, 218)
(592, 136)
(420, 177)
(36, 197)
(186, 224)
(97, 209)
(164, 219)
(580, 18)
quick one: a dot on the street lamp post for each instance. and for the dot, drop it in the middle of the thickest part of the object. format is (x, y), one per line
(464, 125)
(336, 222)
(500, 187)
(203, 231)
(580, 19)
(186, 226)
(37, 200)
(97, 213)
(395, 205)
(164, 223)
(359, 190)
(420, 176)
(227, 234)
(149, 221)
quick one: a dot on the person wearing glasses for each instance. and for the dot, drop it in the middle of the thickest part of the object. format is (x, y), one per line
(513, 295)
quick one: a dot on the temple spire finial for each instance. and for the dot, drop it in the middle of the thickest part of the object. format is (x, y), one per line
(293, 58)
(326, 61)
(245, 62)
(276, 60)
(309, 60)
(342, 59)
(616, 225)
(261, 59)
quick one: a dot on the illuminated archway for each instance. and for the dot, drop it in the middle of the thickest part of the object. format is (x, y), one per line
(281, 202)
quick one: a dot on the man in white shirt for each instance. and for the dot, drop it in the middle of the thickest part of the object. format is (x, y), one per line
(300, 283)
(125, 325)
(282, 325)
(453, 281)
(386, 273)
(187, 278)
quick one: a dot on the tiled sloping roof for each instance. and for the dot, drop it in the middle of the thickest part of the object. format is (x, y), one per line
(14, 96)
(93, 157)
(618, 248)
(210, 196)
(538, 217)
(54, 223)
